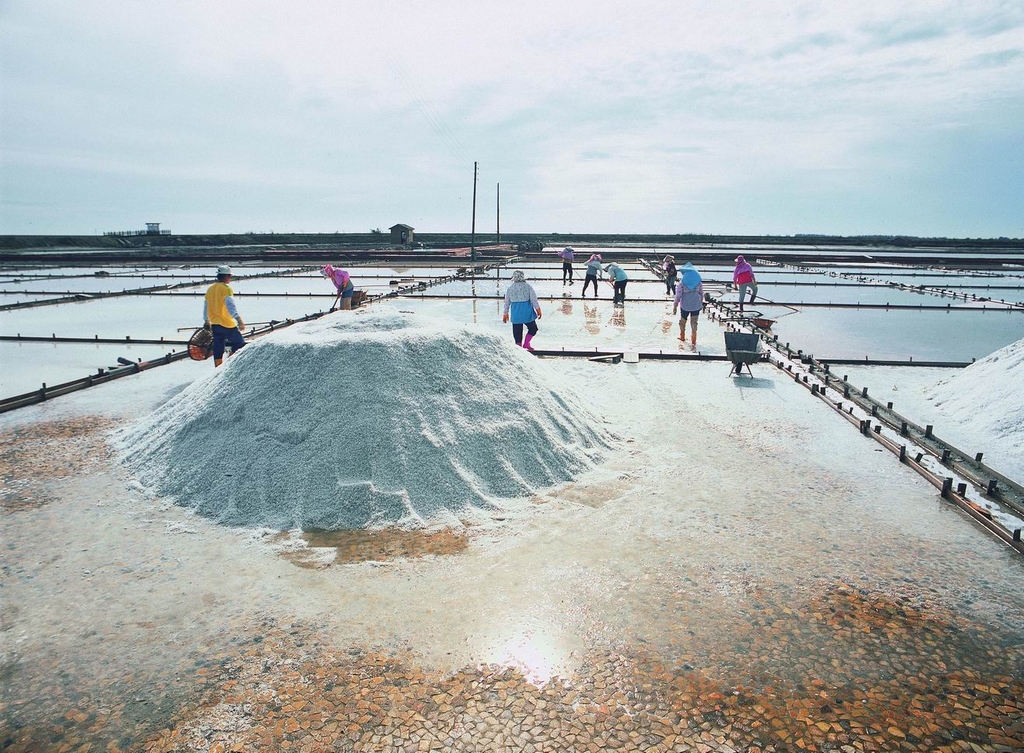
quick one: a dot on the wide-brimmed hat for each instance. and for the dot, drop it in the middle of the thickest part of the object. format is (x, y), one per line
(223, 269)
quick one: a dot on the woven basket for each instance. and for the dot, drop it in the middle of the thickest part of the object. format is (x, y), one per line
(200, 345)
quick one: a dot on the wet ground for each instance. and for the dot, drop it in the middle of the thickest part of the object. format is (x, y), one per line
(746, 573)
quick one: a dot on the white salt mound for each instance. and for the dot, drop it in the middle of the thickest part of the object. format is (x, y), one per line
(986, 401)
(365, 420)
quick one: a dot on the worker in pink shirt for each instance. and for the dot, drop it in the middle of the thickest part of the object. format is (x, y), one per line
(743, 276)
(342, 283)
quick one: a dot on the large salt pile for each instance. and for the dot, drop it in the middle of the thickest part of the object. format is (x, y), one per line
(365, 420)
(984, 401)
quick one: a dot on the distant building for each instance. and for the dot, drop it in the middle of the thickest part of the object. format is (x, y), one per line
(152, 228)
(401, 234)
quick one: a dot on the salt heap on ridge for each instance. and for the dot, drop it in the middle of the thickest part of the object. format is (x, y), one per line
(364, 420)
(984, 401)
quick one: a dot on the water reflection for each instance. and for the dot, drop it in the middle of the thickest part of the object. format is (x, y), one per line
(532, 653)
(591, 322)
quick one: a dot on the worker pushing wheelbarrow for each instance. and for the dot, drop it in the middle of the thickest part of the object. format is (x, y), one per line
(743, 349)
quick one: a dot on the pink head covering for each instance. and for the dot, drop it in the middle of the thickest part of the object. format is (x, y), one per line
(336, 275)
(743, 273)
(594, 257)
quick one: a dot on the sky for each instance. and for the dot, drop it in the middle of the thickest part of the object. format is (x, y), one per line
(728, 117)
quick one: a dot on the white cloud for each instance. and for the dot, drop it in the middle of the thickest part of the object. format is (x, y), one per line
(606, 107)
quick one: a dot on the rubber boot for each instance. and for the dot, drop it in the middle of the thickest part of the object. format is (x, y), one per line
(693, 339)
(526, 342)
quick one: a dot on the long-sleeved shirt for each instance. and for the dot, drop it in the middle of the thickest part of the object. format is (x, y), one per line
(521, 303)
(743, 274)
(689, 299)
(341, 279)
(219, 306)
(594, 268)
(566, 254)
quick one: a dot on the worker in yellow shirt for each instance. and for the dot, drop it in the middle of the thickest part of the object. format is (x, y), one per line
(220, 315)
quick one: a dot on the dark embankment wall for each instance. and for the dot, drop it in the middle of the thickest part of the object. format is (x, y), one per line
(438, 240)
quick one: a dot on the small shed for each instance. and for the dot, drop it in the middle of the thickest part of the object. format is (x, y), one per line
(401, 234)
(152, 228)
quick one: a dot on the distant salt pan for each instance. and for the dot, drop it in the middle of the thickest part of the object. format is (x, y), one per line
(985, 401)
(364, 420)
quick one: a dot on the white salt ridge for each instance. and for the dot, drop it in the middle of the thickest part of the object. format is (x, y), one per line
(366, 420)
(985, 402)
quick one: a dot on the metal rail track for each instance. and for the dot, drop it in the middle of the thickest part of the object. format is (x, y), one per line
(96, 339)
(987, 481)
(68, 297)
(103, 376)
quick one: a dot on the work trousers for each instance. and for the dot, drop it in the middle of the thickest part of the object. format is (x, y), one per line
(222, 335)
(517, 330)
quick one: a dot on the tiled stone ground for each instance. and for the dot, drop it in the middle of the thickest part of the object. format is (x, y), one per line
(876, 675)
(33, 456)
(836, 665)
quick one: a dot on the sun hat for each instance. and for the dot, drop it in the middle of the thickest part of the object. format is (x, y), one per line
(327, 270)
(223, 269)
(740, 260)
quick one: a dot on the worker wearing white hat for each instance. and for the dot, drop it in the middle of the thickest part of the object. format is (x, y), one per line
(221, 317)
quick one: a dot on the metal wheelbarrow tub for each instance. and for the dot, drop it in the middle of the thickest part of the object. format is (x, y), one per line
(743, 349)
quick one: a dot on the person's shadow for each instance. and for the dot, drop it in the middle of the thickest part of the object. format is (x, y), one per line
(756, 383)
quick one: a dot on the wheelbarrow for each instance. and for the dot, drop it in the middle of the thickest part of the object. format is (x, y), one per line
(743, 349)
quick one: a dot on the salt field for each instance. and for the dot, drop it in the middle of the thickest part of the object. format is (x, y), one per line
(392, 529)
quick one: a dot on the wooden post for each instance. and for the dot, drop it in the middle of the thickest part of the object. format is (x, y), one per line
(472, 234)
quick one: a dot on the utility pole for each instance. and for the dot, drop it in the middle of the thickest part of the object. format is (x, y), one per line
(499, 214)
(472, 236)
